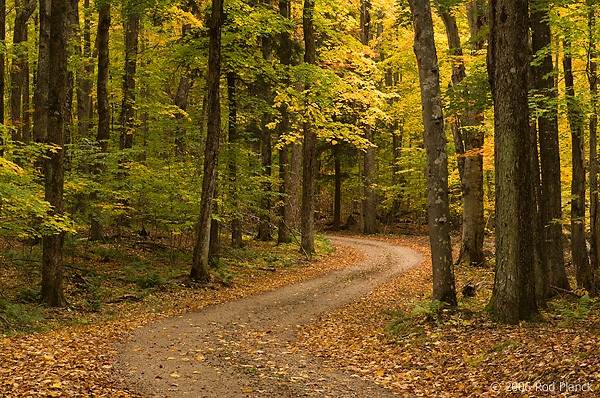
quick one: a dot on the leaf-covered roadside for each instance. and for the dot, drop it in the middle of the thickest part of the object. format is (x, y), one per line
(75, 361)
(464, 353)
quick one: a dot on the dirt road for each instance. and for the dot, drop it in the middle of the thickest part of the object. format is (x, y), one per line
(247, 348)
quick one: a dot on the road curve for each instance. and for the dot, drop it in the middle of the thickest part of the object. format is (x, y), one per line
(247, 347)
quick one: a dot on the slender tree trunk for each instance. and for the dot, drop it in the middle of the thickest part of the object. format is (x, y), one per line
(370, 203)
(181, 100)
(508, 66)
(127, 116)
(103, 134)
(309, 164)
(266, 152)
(437, 159)
(553, 267)
(337, 197)
(19, 74)
(468, 139)
(593, 81)
(236, 223)
(286, 53)
(2, 59)
(52, 288)
(199, 269)
(84, 77)
(583, 270)
(40, 95)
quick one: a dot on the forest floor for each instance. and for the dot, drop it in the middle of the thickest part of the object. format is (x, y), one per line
(391, 340)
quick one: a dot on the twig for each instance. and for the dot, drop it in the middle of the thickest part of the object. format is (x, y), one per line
(558, 289)
(308, 257)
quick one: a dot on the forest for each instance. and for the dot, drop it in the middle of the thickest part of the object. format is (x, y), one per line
(162, 156)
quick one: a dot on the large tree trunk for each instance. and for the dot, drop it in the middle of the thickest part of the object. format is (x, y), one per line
(236, 223)
(553, 268)
(583, 270)
(19, 73)
(199, 269)
(437, 159)
(309, 163)
(52, 288)
(370, 203)
(593, 81)
(181, 100)
(508, 64)
(127, 116)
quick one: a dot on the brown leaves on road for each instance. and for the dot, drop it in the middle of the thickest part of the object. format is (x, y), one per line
(76, 361)
(465, 353)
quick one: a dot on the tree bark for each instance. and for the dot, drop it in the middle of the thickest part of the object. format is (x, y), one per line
(583, 270)
(309, 163)
(437, 159)
(508, 64)
(553, 267)
(199, 269)
(52, 287)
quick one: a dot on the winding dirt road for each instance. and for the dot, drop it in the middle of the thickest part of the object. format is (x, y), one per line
(247, 348)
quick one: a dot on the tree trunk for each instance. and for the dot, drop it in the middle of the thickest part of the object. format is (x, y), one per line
(52, 288)
(337, 197)
(593, 81)
(553, 266)
(370, 203)
(2, 62)
(103, 134)
(102, 79)
(437, 159)
(181, 100)
(236, 223)
(40, 95)
(199, 269)
(266, 152)
(127, 116)
(508, 63)
(84, 78)
(583, 270)
(286, 53)
(309, 163)
(19, 74)
(468, 139)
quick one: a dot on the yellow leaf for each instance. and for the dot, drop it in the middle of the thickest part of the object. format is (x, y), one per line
(175, 375)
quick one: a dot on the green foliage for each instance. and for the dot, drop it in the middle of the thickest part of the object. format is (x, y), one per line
(20, 317)
(579, 310)
(422, 315)
(144, 276)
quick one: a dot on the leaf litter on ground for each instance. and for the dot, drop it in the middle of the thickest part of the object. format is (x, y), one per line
(379, 337)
